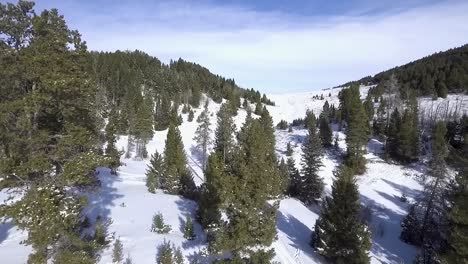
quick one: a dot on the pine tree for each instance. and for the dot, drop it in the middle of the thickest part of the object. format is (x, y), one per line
(251, 219)
(294, 178)
(178, 256)
(190, 116)
(189, 232)
(158, 224)
(325, 131)
(289, 150)
(284, 174)
(117, 251)
(458, 236)
(357, 130)
(155, 172)
(224, 133)
(258, 109)
(310, 119)
(177, 178)
(203, 134)
(208, 213)
(339, 234)
(111, 150)
(311, 185)
(49, 129)
(165, 253)
(392, 142)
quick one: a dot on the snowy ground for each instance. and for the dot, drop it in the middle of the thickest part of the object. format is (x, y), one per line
(124, 198)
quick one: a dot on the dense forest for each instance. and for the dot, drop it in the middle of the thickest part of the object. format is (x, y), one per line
(434, 75)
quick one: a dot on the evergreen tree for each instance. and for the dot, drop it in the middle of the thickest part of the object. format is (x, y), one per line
(117, 251)
(177, 178)
(224, 133)
(289, 150)
(203, 134)
(393, 130)
(48, 129)
(310, 119)
(158, 224)
(190, 116)
(178, 256)
(258, 109)
(294, 178)
(325, 131)
(165, 253)
(339, 234)
(357, 130)
(284, 174)
(111, 150)
(155, 172)
(311, 185)
(458, 236)
(189, 232)
(252, 220)
(210, 201)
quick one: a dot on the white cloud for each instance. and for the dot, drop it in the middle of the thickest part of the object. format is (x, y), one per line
(277, 52)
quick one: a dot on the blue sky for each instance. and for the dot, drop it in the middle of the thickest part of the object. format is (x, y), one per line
(274, 46)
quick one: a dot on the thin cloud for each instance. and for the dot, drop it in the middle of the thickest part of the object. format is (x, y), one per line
(275, 51)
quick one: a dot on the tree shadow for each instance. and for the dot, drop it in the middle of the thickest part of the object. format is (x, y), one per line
(410, 193)
(298, 233)
(189, 208)
(101, 200)
(5, 229)
(386, 228)
(197, 154)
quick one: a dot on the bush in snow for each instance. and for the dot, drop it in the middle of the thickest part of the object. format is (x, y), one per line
(165, 254)
(159, 226)
(128, 260)
(189, 233)
(169, 254)
(117, 251)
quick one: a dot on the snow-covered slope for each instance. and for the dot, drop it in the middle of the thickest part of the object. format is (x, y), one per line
(124, 198)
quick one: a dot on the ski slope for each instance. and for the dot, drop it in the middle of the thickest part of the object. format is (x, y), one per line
(125, 199)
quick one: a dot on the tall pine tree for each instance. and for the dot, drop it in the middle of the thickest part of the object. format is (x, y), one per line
(339, 234)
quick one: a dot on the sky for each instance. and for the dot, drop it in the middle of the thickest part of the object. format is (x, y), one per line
(275, 46)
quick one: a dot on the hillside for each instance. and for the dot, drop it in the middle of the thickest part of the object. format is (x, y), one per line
(435, 75)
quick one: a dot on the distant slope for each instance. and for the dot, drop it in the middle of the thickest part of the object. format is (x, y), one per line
(436, 74)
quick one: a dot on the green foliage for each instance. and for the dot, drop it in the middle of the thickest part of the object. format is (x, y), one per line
(458, 235)
(155, 172)
(283, 125)
(158, 224)
(434, 75)
(208, 213)
(117, 251)
(357, 130)
(165, 253)
(294, 178)
(289, 150)
(339, 234)
(190, 116)
(224, 141)
(311, 185)
(253, 178)
(325, 131)
(176, 178)
(189, 232)
(203, 134)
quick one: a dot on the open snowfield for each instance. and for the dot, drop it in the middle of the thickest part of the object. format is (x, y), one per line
(125, 199)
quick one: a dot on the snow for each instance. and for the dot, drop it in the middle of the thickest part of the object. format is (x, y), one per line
(125, 199)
